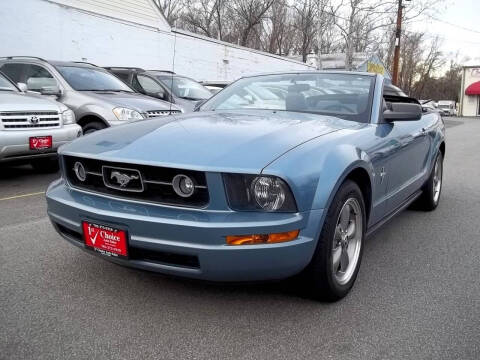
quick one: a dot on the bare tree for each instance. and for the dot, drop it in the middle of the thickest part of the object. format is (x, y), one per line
(305, 25)
(248, 14)
(171, 9)
(433, 60)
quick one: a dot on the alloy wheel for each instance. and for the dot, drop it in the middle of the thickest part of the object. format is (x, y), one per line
(437, 179)
(347, 241)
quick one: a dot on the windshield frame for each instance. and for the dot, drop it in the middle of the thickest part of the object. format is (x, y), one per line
(60, 68)
(15, 87)
(364, 117)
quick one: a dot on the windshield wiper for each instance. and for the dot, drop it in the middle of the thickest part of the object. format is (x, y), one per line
(106, 90)
(6, 89)
(190, 98)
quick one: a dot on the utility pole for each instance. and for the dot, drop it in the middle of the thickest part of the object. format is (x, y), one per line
(398, 35)
(319, 32)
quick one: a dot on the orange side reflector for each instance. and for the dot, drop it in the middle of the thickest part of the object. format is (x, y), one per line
(262, 238)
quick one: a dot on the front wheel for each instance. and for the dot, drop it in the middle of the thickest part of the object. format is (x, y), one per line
(92, 127)
(338, 255)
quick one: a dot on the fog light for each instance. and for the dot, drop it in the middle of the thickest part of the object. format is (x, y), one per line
(79, 170)
(183, 185)
(262, 238)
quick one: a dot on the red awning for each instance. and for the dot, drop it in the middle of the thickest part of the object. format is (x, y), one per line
(473, 89)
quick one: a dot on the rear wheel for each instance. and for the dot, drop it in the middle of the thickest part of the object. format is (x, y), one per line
(93, 126)
(432, 189)
(47, 165)
(338, 255)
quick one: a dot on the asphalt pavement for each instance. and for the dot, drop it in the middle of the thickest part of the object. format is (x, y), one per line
(417, 295)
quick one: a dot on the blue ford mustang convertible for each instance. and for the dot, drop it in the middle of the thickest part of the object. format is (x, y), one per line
(276, 175)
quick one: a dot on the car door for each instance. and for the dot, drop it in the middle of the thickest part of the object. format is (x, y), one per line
(408, 161)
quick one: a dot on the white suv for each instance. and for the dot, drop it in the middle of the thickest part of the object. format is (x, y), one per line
(32, 127)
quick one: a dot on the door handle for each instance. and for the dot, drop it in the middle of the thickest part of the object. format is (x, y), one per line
(424, 131)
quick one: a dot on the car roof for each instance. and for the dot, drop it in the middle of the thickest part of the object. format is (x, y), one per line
(35, 59)
(73, 63)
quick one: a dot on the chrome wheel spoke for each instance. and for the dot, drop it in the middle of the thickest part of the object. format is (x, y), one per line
(344, 260)
(345, 217)
(337, 253)
(351, 229)
(338, 233)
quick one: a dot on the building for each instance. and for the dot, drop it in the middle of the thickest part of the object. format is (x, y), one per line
(470, 91)
(361, 62)
(124, 33)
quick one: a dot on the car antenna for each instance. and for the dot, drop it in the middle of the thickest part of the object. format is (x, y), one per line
(173, 65)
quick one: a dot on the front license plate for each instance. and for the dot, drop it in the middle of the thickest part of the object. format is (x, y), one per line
(40, 142)
(105, 239)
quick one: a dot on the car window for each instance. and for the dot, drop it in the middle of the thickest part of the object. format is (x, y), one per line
(37, 77)
(122, 76)
(13, 71)
(83, 78)
(150, 86)
(6, 85)
(347, 96)
(185, 88)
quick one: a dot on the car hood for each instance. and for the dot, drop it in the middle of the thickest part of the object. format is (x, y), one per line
(16, 101)
(243, 142)
(138, 102)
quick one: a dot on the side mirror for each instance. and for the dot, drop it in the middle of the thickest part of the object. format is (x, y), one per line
(164, 96)
(22, 86)
(50, 90)
(402, 112)
(198, 105)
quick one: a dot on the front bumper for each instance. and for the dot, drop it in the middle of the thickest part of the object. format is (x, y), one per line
(14, 145)
(189, 242)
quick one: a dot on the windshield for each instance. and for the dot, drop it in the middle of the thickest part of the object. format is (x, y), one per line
(6, 85)
(91, 79)
(185, 88)
(347, 96)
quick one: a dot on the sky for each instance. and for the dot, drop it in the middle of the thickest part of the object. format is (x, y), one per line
(451, 22)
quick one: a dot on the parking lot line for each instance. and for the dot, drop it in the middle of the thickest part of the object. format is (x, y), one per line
(22, 196)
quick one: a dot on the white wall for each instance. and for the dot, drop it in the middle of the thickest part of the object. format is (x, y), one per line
(45, 29)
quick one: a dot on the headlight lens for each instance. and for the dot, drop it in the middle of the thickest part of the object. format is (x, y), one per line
(125, 114)
(253, 192)
(68, 117)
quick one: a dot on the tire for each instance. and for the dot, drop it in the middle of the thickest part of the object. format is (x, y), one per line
(432, 189)
(93, 126)
(326, 280)
(47, 165)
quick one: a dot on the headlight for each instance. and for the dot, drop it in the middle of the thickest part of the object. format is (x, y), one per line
(253, 192)
(125, 114)
(68, 117)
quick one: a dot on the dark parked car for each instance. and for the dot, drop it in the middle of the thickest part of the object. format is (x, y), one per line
(164, 85)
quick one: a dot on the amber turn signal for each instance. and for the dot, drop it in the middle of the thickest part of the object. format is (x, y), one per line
(262, 238)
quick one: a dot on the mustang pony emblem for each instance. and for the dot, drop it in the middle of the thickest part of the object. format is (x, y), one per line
(122, 179)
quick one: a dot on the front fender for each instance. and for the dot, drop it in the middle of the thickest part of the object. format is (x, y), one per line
(100, 112)
(316, 169)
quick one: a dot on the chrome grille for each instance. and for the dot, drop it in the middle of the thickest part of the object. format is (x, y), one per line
(17, 120)
(155, 113)
(150, 184)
